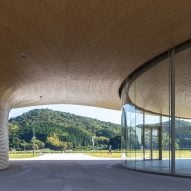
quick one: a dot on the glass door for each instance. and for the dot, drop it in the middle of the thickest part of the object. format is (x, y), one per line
(151, 149)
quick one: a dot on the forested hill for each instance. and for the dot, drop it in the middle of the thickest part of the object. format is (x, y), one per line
(60, 130)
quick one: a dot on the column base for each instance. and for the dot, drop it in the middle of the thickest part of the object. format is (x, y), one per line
(4, 160)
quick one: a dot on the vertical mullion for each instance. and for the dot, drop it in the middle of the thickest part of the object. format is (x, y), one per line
(160, 138)
(143, 135)
(172, 96)
(151, 143)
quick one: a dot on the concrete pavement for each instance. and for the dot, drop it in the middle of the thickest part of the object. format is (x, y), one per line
(83, 175)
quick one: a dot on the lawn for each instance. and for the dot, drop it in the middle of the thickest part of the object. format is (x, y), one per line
(22, 155)
(105, 154)
(180, 154)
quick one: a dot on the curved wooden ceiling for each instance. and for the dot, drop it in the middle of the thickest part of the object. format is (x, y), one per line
(80, 51)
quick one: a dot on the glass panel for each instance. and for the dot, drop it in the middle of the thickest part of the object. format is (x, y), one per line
(139, 136)
(124, 137)
(131, 138)
(152, 124)
(147, 118)
(165, 142)
(183, 112)
(147, 137)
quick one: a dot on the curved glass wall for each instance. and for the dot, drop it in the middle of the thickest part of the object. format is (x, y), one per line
(156, 114)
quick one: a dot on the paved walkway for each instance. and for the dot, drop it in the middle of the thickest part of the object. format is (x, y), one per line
(83, 175)
(70, 156)
(67, 156)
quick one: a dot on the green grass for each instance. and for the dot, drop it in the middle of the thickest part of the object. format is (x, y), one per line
(104, 154)
(180, 154)
(22, 154)
(29, 154)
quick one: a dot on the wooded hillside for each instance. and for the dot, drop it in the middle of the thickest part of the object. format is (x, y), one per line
(45, 128)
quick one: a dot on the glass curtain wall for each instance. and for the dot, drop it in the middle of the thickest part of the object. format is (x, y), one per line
(183, 112)
(156, 119)
(145, 135)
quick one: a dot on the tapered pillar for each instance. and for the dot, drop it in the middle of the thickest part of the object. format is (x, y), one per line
(4, 137)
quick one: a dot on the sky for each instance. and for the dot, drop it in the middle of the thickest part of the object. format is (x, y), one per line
(108, 115)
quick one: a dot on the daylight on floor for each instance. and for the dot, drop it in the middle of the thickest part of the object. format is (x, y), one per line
(95, 95)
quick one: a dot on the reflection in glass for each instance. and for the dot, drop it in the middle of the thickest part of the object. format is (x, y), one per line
(148, 126)
(145, 140)
(146, 112)
(183, 112)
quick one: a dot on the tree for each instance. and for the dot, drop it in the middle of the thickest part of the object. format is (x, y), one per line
(14, 138)
(59, 130)
(115, 142)
(54, 142)
(102, 142)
